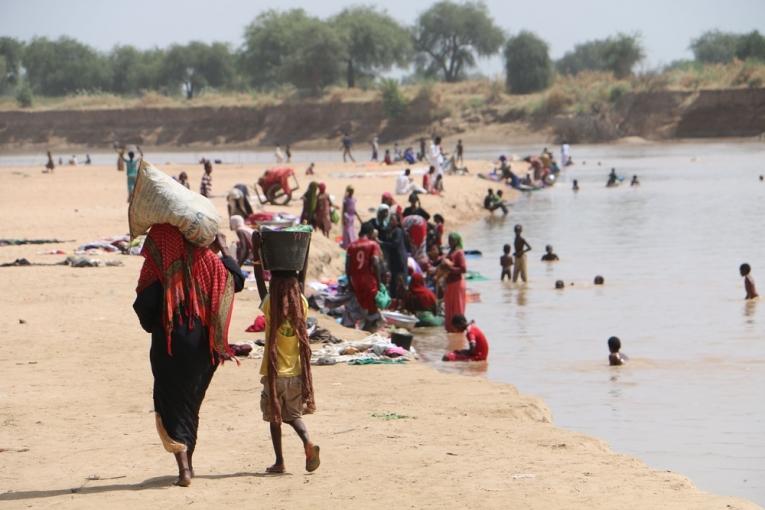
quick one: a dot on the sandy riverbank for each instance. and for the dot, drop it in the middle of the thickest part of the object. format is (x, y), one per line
(75, 395)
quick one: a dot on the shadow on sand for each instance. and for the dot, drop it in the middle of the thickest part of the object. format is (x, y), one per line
(159, 482)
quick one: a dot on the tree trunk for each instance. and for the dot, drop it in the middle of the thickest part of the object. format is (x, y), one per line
(351, 75)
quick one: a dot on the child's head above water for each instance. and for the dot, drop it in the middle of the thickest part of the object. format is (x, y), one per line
(745, 269)
(614, 344)
(460, 322)
(506, 249)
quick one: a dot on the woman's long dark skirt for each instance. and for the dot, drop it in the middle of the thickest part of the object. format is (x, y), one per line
(181, 379)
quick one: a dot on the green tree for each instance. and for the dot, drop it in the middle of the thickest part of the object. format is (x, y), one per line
(449, 36)
(315, 60)
(134, 70)
(268, 41)
(24, 97)
(750, 46)
(373, 40)
(714, 47)
(64, 66)
(11, 51)
(291, 47)
(393, 102)
(617, 54)
(3, 74)
(527, 64)
(195, 66)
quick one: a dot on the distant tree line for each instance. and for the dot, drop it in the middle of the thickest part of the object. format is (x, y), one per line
(291, 47)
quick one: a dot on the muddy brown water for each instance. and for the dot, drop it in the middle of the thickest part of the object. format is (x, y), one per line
(690, 400)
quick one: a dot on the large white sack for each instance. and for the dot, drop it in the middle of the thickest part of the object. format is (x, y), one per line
(158, 198)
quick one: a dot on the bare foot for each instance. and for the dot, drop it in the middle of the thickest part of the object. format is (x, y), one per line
(312, 460)
(276, 469)
(184, 478)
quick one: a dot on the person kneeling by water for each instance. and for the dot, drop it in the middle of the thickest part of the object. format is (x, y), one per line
(286, 367)
(478, 346)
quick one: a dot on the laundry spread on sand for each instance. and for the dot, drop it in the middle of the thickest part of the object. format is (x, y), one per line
(71, 261)
(374, 349)
(19, 242)
(115, 244)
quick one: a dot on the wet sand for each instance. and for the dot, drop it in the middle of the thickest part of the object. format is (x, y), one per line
(76, 424)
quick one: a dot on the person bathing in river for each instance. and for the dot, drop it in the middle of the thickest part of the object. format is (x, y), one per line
(286, 367)
(478, 346)
(615, 357)
(521, 247)
(455, 267)
(506, 261)
(575, 186)
(549, 256)
(746, 272)
(613, 179)
(634, 181)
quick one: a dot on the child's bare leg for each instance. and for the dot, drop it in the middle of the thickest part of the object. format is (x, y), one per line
(311, 450)
(276, 441)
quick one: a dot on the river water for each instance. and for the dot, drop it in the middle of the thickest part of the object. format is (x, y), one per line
(688, 401)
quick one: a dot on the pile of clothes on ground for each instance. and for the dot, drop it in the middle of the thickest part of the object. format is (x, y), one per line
(374, 349)
(71, 261)
(115, 244)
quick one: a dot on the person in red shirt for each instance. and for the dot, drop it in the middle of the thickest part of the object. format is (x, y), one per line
(362, 265)
(478, 346)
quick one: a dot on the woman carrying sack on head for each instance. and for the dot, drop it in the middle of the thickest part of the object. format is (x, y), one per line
(185, 295)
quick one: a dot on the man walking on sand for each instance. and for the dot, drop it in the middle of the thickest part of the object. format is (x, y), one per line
(347, 142)
(205, 185)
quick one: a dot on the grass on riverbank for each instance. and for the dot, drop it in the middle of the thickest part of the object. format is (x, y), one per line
(469, 101)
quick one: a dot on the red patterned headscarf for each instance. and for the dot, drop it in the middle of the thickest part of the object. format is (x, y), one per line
(195, 281)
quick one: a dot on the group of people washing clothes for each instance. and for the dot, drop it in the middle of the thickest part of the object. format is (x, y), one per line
(398, 261)
(543, 171)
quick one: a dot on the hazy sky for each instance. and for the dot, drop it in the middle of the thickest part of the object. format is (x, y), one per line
(667, 25)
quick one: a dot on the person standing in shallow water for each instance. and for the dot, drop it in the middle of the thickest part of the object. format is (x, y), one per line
(746, 272)
(521, 247)
(184, 298)
(455, 267)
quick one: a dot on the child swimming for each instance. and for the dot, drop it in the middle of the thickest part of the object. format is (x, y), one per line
(615, 358)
